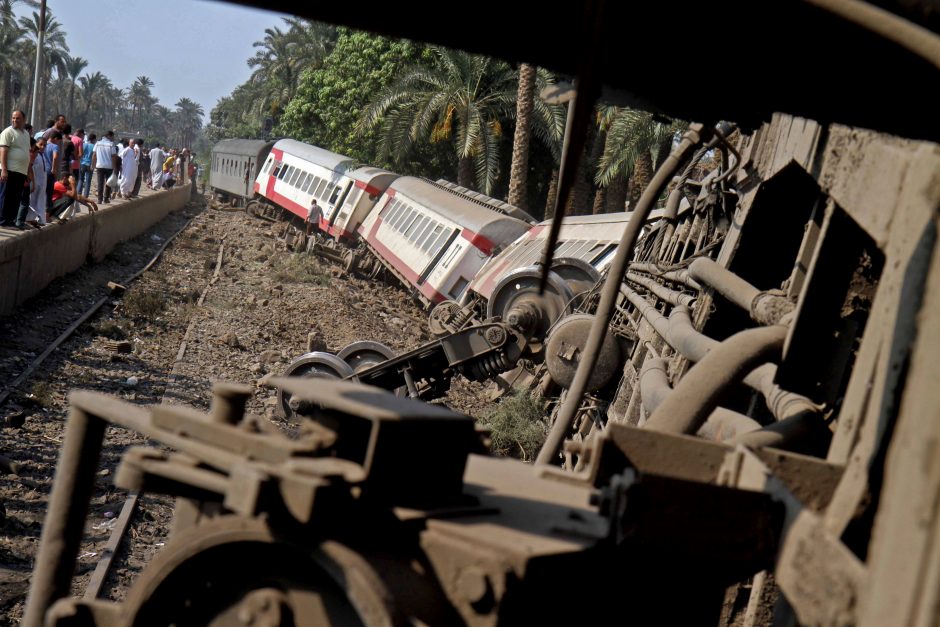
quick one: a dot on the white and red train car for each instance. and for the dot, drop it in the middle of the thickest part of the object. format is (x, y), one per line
(591, 239)
(435, 238)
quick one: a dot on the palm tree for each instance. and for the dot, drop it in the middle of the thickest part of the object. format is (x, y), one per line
(140, 97)
(11, 37)
(282, 57)
(189, 120)
(54, 51)
(73, 68)
(633, 139)
(520, 145)
(462, 98)
(92, 88)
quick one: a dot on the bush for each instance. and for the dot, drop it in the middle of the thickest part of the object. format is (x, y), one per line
(518, 426)
(110, 330)
(300, 268)
(144, 304)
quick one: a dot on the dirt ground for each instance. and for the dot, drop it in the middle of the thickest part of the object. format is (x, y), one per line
(257, 315)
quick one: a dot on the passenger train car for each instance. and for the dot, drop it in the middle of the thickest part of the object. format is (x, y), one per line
(434, 238)
(234, 166)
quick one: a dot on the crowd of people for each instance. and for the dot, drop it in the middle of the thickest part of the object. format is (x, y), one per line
(46, 176)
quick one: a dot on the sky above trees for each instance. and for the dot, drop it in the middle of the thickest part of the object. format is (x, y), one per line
(189, 48)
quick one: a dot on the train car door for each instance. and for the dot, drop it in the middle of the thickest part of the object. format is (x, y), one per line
(336, 200)
(249, 179)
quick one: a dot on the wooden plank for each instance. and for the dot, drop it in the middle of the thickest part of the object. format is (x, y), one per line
(110, 549)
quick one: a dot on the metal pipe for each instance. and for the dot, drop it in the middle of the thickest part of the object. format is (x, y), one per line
(699, 391)
(65, 519)
(670, 214)
(722, 424)
(764, 307)
(676, 276)
(605, 309)
(670, 296)
(725, 282)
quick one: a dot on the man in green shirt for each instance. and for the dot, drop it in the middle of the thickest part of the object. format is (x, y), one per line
(14, 165)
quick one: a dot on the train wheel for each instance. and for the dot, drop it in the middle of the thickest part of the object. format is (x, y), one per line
(252, 208)
(233, 571)
(440, 317)
(315, 364)
(577, 273)
(365, 354)
(516, 300)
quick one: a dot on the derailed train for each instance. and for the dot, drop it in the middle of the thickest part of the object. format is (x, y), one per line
(804, 285)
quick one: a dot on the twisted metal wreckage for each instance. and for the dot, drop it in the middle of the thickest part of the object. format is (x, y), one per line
(793, 312)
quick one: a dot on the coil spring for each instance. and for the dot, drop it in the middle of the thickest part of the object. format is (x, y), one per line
(490, 366)
(461, 317)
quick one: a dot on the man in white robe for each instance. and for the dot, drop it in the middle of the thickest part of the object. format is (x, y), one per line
(37, 194)
(157, 157)
(128, 169)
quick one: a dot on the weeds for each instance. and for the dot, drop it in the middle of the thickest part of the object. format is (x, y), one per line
(144, 303)
(300, 268)
(517, 425)
(110, 330)
(40, 393)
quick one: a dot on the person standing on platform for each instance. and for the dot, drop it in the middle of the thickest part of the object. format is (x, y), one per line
(103, 163)
(157, 157)
(85, 169)
(14, 167)
(139, 150)
(128, 169)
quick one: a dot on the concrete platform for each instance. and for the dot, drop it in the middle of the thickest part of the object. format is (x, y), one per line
(30, 260)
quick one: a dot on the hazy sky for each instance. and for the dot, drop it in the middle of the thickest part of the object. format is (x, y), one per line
(191, 48)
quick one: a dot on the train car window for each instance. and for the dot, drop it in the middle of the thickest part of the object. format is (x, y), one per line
(401, 209)
(414, 226)
(393, 210)
(409, 219)
(422, 232)
(285, 170)
(423, 236)
(335, 194)
(432, 237)
(441, 240)
(321, 186)
(293, 178)
(399, 214)
(388, 211)
(415, 231)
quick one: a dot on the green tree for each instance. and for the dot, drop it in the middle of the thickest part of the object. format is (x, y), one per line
(330, 99)
(74, 66)
(282, 57)
(635, 141)
(463, 99)
(188, 121)
(140, 98)
(55, 52)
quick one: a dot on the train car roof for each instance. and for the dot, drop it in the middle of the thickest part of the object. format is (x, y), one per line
(316, 155)
(601, 218)
(469, 214)
(247, 147)
(366, 173)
